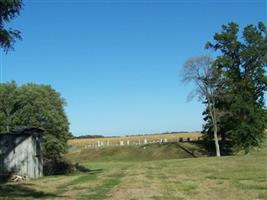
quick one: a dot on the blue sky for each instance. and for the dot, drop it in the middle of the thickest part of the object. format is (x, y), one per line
(117, 63)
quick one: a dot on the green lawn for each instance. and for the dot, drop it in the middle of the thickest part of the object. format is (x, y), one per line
(231, 177)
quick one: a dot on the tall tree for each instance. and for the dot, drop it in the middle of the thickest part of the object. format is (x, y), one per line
(8, 106)
(242, 61)
(9, 9)
(39, 106)
(203, 74)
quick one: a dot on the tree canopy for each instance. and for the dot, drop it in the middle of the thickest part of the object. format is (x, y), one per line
(234, 91)
(9, 9)
(33, 105)
(242, 63)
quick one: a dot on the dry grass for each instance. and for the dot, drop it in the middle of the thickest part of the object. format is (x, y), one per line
(135, 139)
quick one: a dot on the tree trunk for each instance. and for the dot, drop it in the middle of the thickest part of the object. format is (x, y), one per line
(215, 128)
(7, 128)
(215, 134)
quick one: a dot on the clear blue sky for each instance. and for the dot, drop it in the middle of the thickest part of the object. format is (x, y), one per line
(117, 63)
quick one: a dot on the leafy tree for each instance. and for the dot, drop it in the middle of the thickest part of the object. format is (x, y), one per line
(9, 9)
(203, 74)
(43, 107)
(8, 106)
(39, 106)
(242, 63)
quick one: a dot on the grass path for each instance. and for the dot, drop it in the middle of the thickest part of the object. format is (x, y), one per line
(228, 178)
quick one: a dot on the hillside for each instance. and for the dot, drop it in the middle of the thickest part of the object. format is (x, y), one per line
(242, 177)
(172, 150)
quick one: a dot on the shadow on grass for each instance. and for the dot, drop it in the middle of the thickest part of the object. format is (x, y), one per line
(201, 148)
(81, 178)
(209, 146)
(95, 171)
(190, 152)
(23, 191)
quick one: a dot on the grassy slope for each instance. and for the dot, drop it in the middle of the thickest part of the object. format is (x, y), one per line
(139, 153)
(232, 177)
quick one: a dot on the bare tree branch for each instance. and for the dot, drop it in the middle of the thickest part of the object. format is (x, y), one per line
(201, 72)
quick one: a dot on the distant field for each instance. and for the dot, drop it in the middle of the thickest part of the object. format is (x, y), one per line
(136, 139)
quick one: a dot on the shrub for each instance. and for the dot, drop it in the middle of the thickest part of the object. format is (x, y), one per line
(61, 166)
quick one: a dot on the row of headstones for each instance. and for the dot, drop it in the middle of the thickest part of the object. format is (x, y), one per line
(122, 143)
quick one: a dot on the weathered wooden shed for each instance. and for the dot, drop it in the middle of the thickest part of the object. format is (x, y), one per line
(21, 153)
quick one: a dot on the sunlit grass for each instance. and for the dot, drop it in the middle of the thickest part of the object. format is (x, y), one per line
(242, 177)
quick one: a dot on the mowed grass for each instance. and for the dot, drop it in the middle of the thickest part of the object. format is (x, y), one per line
(230, 177)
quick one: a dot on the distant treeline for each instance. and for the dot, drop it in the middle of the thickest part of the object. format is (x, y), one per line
(87, 136)
(133, 135)
(174, 132)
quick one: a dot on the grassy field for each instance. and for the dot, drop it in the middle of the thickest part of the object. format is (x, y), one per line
(120, 177)
(172, 150)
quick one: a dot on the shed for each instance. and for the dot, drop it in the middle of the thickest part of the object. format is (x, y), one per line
(21, 153)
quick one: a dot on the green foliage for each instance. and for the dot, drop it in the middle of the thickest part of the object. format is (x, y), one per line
(242, 64)
(87, 136)
(39, 106)
(9, 9)
(61, 166)
(8, 106)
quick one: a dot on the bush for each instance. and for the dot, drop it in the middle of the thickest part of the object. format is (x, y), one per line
(61, 167)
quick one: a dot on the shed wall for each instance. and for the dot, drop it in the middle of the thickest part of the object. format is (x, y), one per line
(21, 154)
